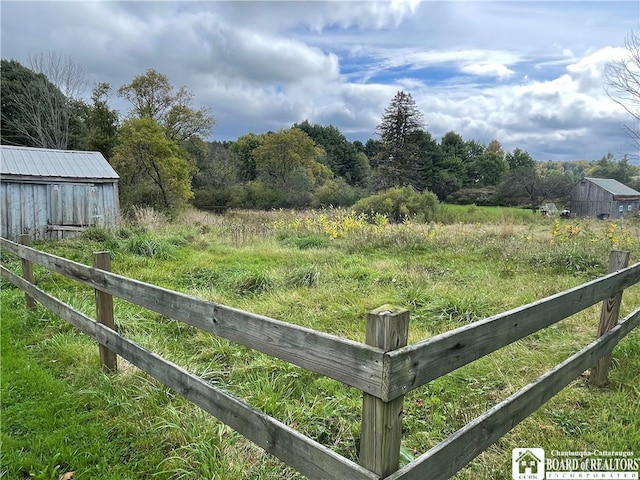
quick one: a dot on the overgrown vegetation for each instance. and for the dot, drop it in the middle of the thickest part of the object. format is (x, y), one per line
(399, 204)
(324, 270)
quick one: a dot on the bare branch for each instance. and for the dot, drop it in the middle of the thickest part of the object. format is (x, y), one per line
(62, 72)
(622, 84)
(43, 115)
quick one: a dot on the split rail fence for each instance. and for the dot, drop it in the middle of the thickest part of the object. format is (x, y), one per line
(384, 369)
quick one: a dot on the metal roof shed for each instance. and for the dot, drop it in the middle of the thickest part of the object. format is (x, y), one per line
(54, 194)
(604, 198)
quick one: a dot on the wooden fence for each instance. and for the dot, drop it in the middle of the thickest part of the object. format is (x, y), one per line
(384, 368)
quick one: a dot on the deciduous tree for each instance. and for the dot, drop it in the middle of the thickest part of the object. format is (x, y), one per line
(62, 71)
(243, 149)
(289, 161)
(35, 112)
(152, 170)
(340, 154)
(153, 96)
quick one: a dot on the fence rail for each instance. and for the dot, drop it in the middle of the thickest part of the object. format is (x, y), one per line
(302, 453)
(384, 369)
(415, 365)
(349, 362)
(449, 456)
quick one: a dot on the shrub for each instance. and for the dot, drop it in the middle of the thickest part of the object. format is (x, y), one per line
(212, 199)
(97, 233)
(336, 193)
(146, 245)
(398, 204)
(256, 195)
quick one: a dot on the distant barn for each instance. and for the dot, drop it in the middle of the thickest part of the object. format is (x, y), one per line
(603, 198)
(54, 194)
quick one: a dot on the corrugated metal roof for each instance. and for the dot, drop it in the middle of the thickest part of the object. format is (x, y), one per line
(613, 186)
(44, 162)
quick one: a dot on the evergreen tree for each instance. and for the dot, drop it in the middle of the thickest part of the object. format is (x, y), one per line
(341, 156)
(371, 150)
(102, 122)
(453, 169)
(428, 159)
(609, 167)
(519, 159)
(397, 155)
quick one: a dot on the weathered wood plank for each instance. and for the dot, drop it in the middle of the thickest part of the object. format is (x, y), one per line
(27, 272)
(307, 456)
(608, 318)
(419, 363)
(349, 362)
(104, 313)
(451, 455)
(388, 329)
(66, 228)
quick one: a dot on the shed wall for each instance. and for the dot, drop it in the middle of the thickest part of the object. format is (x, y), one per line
(56, 210)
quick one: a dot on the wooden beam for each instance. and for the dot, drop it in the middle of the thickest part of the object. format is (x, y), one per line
(347, 361)
(609, 314)
(27, 272)
(452, 454)
(67, 228)
(307, 456)
(419, 363)
(388, 329)
(104, 313)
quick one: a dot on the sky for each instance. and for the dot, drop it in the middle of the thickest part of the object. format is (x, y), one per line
(529, 74)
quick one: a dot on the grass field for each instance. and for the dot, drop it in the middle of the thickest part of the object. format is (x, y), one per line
(324, 270)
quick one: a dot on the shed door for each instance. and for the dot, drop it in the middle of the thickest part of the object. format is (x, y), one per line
(72, 204)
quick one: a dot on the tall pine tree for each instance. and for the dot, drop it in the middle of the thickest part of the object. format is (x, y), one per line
(397, 155)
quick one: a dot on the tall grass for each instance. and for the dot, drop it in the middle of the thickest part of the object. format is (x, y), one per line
(323, 270)
(449, 214)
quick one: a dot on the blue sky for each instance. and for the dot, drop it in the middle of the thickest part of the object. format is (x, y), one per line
(529, 74)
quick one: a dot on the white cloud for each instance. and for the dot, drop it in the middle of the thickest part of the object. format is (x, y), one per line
(493, 63)
(496, 70)
(527, 73)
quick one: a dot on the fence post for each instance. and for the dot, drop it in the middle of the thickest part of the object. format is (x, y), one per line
(608, 319)
(27, 271)
(388, 329)
(104, 312)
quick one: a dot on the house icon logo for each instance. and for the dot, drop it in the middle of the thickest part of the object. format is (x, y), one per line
(527, 463)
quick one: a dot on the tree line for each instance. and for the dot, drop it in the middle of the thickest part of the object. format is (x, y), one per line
(160, 149)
